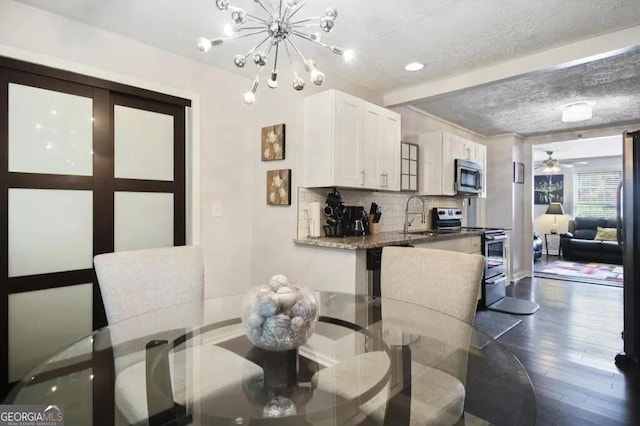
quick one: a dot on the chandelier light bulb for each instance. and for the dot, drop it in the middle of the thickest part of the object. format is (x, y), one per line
(298, 84)
(273, 81)
(327, 24)
(349, 55)
(222, 4)
(249, 98)
(204, 44)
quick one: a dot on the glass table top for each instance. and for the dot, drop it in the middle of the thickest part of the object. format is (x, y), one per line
(368, 359)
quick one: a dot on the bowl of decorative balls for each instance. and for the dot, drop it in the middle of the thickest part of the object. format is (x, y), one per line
(279, 316)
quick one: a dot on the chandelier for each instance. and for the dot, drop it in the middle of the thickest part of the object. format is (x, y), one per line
(279, 27)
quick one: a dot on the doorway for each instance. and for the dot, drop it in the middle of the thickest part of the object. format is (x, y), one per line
(574, 212)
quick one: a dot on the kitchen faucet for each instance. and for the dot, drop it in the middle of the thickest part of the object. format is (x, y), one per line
(407, 222)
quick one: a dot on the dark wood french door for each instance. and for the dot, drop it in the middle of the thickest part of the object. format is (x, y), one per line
(87, 166)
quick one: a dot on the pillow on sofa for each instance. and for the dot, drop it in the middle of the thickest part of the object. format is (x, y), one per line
(606, 234)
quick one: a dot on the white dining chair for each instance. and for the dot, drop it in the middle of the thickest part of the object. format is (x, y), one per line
(444, 281)
(136, 282)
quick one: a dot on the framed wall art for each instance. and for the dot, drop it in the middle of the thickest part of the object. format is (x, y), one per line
(272, 138)
(548, 189)
(279, 187)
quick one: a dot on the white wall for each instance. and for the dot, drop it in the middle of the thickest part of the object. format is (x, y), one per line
(221, 120)
(275, 227)
(505, 199)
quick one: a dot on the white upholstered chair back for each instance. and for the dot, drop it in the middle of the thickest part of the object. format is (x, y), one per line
(445, 281)
(140, 281)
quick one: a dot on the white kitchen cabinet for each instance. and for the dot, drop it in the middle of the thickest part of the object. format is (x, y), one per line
(351, 143)
(437, 171)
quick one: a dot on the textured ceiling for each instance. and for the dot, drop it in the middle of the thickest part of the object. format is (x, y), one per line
(451, 36)
(530, 105)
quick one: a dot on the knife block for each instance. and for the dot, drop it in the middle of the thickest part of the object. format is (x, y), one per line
(373, 227)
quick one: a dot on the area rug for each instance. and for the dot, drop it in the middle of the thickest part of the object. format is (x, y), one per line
(492, 323)
(593, 273)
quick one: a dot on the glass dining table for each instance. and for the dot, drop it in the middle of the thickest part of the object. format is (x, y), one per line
(369, 361)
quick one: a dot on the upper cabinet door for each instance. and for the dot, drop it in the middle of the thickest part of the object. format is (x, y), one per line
(371, 130)
(389, 153)
(348, 142)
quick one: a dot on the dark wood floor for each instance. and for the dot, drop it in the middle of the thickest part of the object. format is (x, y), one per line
(568, 349)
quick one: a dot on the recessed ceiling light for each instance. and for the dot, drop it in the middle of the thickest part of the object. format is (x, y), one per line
(414, 66)
(579, 111)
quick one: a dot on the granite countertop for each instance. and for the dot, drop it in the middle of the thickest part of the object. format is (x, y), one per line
(384, 239)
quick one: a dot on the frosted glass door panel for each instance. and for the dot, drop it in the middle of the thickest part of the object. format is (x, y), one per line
(49, 132)
(45, 321)
(143, 220)
(49, 231)
(143, 144)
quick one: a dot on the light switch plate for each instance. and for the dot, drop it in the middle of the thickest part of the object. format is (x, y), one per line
(216, 209)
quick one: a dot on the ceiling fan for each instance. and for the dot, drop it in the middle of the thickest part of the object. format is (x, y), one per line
(552, 165)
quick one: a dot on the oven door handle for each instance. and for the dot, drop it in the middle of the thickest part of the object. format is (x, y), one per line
(495, 237)
(497, 280)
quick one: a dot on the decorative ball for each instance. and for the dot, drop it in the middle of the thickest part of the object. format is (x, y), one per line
(279, 406)
(240, 61)
(260, 59)
(222, 4)
(239, 16)
(327, 24)
(298, 84)
(317, 77)
(331, 12)
(279, 316)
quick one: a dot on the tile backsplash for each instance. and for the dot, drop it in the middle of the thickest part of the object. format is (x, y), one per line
(392, 205)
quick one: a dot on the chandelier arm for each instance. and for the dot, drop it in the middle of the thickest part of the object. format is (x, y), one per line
(275, 60)
(304, 60)
(309, 37)
(255, 18)
(295, 73)
(280, 12)
(256, 47)
(233, 37)
(314, 18)
(300, 6)
(335, 49)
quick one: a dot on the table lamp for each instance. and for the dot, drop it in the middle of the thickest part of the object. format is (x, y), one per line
(555, 209)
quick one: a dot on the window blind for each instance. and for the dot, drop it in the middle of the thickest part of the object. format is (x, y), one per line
(595, 193)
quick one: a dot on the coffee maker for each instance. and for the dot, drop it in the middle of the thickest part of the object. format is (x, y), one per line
(355, 221)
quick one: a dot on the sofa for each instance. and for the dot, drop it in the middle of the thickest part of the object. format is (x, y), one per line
(580, 242)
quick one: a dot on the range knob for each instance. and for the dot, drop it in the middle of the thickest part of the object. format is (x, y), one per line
(441, 212)
(458, 212)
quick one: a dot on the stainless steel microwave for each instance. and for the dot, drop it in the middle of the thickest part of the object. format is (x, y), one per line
(468, 179)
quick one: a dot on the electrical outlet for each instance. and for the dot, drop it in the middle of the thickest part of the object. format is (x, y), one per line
(216, 209)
